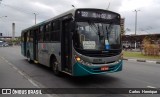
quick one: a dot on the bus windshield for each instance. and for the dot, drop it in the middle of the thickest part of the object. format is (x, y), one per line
(97, 36)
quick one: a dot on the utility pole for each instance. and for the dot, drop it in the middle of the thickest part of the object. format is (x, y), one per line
(35, 14)
(0, 1)
(136, 11)
(13, 32)
(73, 6)
(0, 18)
(108, 6)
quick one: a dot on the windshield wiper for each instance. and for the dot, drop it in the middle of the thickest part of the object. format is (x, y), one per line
(96, 27)
(108, 29)
(93, 26)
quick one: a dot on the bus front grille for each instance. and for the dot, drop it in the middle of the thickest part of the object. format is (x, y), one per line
(102, 54)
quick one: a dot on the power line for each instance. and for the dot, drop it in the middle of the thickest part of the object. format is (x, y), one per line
(16, 8)
(20, 10)
(108, 6)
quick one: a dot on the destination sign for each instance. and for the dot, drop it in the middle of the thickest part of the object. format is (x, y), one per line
(104, 15)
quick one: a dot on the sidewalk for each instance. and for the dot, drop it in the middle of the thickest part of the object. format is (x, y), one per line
(156, 61)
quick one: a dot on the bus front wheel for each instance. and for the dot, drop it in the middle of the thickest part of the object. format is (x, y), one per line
(55, 67)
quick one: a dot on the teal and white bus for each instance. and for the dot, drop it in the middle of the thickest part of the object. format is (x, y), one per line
(79, 42)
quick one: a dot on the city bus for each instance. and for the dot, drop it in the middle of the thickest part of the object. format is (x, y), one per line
(79, 42)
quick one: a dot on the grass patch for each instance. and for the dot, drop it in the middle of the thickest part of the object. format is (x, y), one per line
(138, 55)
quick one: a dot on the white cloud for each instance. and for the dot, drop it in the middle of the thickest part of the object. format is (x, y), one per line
(135, 4)
(21, 12)
(147, 16)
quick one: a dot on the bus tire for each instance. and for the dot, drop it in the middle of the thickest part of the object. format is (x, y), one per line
(55, 69)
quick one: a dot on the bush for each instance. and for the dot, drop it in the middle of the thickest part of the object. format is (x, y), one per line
(150, 48)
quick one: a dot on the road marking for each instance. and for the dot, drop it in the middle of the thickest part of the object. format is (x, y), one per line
(150, 87)
(31, 81)
(151, 61)
(21, 73)
(27, 77)
(15, 68)
(132, 59)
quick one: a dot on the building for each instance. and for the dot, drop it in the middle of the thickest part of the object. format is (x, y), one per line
(128, 41)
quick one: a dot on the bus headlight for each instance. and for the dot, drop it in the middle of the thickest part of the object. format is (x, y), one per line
(78, 59)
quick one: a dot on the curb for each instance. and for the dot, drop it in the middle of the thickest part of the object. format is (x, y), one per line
(141, 60)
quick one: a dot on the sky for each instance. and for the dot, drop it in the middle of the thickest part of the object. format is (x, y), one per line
(21, 12)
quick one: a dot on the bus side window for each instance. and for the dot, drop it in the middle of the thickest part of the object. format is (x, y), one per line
(55, 31)
(31, 36)
(52, 31)
(40, 34)
(44, 32)
(22, 37)
(47, 32)
(27, 36)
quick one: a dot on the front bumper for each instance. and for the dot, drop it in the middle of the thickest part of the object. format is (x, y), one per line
(83, 70)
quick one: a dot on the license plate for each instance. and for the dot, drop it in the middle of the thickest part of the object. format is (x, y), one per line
(104, 68)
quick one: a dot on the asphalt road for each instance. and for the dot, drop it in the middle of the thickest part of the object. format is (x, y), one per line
(134, 75)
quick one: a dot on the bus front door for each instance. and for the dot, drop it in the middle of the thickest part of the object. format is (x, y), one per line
(66, 46)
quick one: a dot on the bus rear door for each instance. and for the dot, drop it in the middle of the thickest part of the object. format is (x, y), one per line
(35, 45)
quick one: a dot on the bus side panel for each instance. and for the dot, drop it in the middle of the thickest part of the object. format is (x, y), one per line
(55, 49)
(45, 50)
(41, 53)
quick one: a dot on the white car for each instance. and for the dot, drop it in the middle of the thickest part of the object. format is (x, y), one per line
(3, 44)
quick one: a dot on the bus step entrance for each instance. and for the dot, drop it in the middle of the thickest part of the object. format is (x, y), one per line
(67, 70)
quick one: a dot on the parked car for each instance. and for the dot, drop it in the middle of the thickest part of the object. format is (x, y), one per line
(3, 44)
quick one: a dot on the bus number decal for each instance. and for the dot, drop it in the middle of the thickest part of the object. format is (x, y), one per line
(84, 14)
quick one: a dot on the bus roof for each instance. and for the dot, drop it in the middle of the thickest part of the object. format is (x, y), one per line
(56, 17)
(72, 11)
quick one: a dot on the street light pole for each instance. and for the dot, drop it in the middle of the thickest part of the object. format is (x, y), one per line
(136, 21)
(35, 14)
(136, 11)
(2, 17)
(0, 1)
